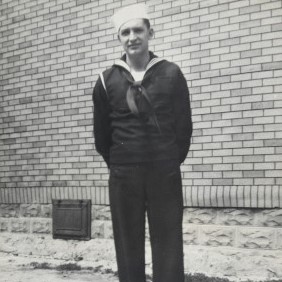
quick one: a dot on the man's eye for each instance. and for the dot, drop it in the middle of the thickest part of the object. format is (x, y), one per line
(124, 32)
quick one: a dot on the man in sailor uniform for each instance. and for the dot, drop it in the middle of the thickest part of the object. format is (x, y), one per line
(142, 129)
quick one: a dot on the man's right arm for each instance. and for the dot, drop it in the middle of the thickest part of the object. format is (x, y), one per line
(102, 126)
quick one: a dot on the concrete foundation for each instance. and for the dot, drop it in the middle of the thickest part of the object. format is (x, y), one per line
(239, 244)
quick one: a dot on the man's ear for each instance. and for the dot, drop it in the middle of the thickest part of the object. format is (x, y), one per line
(118, 37)
(151, 33)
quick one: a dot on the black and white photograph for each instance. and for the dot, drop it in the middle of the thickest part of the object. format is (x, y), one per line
(141, 141)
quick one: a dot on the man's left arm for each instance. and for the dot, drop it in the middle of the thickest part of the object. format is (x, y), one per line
(183, 116)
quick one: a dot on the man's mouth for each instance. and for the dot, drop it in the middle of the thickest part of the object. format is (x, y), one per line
(134, 45)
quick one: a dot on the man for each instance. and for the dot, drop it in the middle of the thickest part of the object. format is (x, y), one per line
(142, 128)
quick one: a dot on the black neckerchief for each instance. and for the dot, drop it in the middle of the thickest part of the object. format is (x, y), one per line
(138, 100)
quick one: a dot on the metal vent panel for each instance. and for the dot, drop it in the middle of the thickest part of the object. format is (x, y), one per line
(72, 219)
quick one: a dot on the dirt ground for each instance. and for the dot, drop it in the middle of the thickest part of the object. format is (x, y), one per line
(27, 269)
(15, 268)
(26, 257)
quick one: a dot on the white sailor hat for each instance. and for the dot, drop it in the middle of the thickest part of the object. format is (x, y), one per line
(135, 11)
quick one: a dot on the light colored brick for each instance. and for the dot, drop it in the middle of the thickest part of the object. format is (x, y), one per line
(220, 65)
(264, 135)
(229, 53)
(210, 31)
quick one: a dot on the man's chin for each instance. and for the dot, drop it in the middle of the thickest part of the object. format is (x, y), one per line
(134, 51)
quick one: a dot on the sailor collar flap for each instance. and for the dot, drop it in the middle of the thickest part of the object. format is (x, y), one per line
(124, 65)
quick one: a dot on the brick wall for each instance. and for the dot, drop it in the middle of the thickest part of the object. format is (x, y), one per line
(230, 52)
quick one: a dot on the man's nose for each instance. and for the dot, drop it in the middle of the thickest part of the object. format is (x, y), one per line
(132, 36)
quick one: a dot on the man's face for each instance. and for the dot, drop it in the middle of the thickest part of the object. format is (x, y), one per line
(134, 37)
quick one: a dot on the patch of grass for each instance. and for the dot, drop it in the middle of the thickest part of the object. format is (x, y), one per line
(199, 277)
(61, 267)
(104, 271)
(68, 267)
(43, 265)
(97, 268)
(196, 277)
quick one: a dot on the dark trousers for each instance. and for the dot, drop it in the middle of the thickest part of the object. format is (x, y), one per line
(157, 189)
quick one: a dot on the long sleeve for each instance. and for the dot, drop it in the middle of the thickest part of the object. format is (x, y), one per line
(183, 119)
(102, 125)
